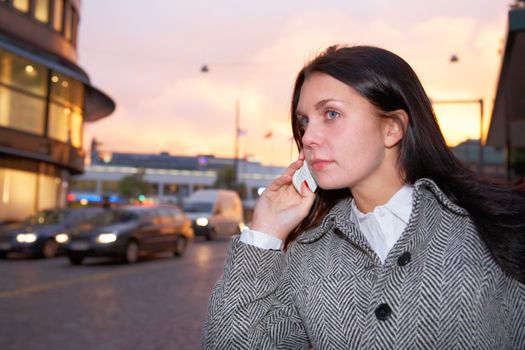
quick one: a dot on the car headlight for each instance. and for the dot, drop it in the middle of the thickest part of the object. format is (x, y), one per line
(105, 238)
(62, 238)
(28, 237)
(201, 221)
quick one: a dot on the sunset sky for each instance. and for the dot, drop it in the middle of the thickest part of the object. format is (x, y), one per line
(147, 56)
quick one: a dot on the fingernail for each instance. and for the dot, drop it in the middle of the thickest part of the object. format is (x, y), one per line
(306, 183)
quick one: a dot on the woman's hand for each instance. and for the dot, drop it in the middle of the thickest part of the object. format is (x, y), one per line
(281, 208)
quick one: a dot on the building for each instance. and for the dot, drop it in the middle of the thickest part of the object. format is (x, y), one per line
(170, 178)
(45, 99)
(492, 158)
(507, 125)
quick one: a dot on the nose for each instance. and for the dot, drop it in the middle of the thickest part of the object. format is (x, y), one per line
(312, 135)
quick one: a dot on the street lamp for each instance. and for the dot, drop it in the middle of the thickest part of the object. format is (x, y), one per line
(480, 103)
(206, 69)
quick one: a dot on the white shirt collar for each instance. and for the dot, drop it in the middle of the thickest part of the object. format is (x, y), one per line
(400, 204)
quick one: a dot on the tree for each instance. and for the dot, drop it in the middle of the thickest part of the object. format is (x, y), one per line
(132, 187)
(226, 179)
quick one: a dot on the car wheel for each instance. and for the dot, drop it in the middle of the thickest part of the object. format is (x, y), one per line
(75, 259)
(50, 248)
(131, 254)
(180, 245)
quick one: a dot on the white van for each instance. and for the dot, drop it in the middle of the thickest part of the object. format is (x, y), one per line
(215, 213)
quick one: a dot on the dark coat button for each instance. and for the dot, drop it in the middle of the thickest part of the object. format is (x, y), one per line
(383, 312)
(404, 259)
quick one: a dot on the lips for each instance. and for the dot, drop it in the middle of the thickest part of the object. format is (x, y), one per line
(319, 164)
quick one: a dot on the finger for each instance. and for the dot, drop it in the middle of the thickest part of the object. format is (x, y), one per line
(292, 168)
(308, 196)
(286, 178)
(306, 191)
(283, 180)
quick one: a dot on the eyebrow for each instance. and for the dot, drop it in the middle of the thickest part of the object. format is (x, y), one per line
(318, 105)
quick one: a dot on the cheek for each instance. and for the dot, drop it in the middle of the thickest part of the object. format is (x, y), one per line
(362, 149)
(364, 139)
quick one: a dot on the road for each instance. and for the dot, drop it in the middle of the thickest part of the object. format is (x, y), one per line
(159, 303)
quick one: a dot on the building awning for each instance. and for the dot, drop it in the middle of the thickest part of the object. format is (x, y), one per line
(97, 103)
(507, 125)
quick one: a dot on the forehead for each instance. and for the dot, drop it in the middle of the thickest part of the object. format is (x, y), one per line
(318, 87)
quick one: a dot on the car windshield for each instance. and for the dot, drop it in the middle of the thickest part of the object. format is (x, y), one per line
(110, 217)
(46, 217)
(198, 207)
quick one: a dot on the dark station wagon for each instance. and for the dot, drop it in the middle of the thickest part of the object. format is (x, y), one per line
(126, 233)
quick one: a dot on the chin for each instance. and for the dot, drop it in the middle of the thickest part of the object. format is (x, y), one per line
(331, 185)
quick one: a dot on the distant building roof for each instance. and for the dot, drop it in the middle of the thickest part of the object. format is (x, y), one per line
(468, 152)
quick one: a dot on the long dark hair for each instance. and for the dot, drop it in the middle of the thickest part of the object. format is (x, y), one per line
(389, 83)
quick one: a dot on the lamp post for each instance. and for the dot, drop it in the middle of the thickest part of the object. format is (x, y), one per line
(205, 69)
(480, 103)
(237, 130)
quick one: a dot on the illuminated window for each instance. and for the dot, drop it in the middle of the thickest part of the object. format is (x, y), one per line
(17, 193)
(58, 125)
(48, 191)
(21, 5)
(68, 21)
(22, 112)
(76, 128)
(65, 109)
(58, 14)
(66, 90)
(110, 187)
(23, 74)
(83, 185)
(74, 28)
(42, 10)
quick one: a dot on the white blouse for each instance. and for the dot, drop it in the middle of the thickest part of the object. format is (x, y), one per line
(382, 227)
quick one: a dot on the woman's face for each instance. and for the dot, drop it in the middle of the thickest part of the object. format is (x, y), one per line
(343, 138)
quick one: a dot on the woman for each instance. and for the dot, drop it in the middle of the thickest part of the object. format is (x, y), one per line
(402, 247)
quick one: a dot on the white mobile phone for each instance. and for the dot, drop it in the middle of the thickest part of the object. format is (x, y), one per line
(303, 174)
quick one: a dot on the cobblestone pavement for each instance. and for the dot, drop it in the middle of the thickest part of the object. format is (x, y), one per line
(159, 303)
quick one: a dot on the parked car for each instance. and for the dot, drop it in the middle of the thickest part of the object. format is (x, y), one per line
(215, 213)
(128, 232)
(43, 234)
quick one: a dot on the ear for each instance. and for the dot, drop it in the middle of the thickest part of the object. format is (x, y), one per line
(394, 126)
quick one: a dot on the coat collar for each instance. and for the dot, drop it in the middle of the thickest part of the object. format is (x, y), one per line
(339, 216)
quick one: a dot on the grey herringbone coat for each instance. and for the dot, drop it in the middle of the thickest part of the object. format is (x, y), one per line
(438, 289)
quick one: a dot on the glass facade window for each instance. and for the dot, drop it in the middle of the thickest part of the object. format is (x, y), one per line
(171, 189)
(18, 190)
(23, 93)
(23, 192)
(58, 125)
(83, 185)
(65, 124)
(110, 187)
(74, 28)
(21, 5)
(58, 15)
(68, 21)
(76, 128)
(48, 191)
(20, 73)
(66, 90)
(42, 10)
(22, 112)
(65, 109)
